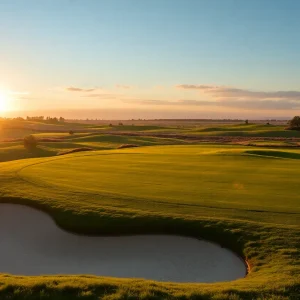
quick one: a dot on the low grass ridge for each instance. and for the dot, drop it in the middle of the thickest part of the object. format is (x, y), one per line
(268, 238)
(55, 138)
(275, 154)
(52, 144)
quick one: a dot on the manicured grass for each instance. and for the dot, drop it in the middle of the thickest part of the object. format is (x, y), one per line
(137, 128)
(242, 130)
(250, 130)
(17, 129)
(14, 151)
(174, 174)
(245, 198)
(55, 138)
(52, 143)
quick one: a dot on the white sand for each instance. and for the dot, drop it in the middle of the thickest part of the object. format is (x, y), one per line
(32, 244)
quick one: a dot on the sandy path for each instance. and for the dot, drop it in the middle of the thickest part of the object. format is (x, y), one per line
(32, 244)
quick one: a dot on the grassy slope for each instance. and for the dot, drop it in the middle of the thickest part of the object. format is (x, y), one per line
(105, 137)
(251, 130)
(246, 201)
(15, 150)
(51, 144)
(227, 173)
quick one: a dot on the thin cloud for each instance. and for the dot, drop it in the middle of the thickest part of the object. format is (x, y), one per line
(99, 96)
(166, 102)
(195, 102)
(194, 87)
(282, 104)
(248, 104)
(124, 87)
(147, 101)
(76, 89)
(220, 92)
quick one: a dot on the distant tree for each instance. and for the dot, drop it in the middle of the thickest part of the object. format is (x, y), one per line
(295, 122)
(120, 124)
(30, 142)
(71, 132)
(110, 125)
(246, 122)
(36, 118)
(55, 120)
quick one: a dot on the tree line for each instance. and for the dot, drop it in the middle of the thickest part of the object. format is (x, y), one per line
(47, 119)
(37, 118)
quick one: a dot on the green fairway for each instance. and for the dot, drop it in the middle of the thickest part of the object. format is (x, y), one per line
(228, 177)
(246, 199)
(55, 139)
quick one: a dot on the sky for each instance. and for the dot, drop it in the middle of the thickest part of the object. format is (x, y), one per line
(150, 59)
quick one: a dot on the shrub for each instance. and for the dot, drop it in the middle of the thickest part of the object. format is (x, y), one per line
(71, 132)
(30, 142)
(295, 123)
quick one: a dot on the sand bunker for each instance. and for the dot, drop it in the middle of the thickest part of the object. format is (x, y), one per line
(32, 244)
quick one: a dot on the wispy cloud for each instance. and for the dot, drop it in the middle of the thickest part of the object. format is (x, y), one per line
(220, 92)
(124, 87)
(77, 89)
(282, 104)
(247, 104)
(195, 102)
(167, 102)
(195, 87)
(146, 101)
(100, 96)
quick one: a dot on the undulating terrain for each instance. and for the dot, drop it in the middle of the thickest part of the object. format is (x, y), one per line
(232, 183)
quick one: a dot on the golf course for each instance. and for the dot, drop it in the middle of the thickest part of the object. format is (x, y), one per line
(149, 150)
(176, 191)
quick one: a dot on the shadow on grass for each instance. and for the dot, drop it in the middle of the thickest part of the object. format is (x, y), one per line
(274, 154)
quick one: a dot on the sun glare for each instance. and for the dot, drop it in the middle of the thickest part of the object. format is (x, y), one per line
(4, 101)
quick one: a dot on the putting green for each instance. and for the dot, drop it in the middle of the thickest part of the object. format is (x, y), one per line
(221, 177)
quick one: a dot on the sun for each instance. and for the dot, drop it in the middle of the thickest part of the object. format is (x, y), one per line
(4, 101)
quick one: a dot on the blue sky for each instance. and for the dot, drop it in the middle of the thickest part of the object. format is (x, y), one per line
(147, 55)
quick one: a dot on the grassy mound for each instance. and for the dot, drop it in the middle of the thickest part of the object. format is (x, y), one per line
(83, 149)
(275, 154)
(248, 203)
(124, 146)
